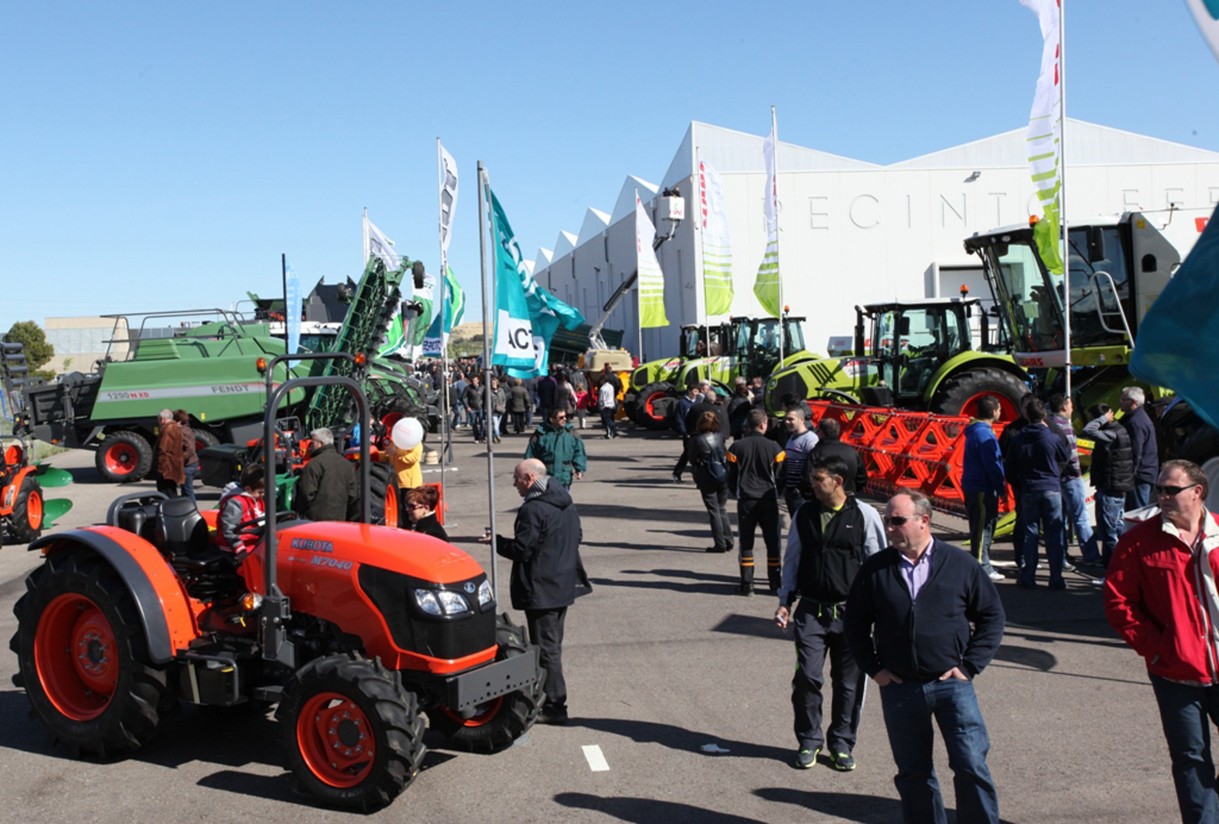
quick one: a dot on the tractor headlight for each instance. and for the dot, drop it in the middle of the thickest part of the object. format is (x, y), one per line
(484, 593)
(441, 602)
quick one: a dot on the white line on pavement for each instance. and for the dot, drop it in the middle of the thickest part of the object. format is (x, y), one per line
(595, 758)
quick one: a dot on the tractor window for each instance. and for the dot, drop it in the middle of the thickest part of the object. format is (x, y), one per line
(1035, 304)
(795, 336)
(690, 345)
(1092, 296)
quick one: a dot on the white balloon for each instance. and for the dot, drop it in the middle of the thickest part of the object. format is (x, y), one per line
(407, 433)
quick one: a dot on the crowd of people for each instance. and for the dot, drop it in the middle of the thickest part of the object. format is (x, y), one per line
(875, 594)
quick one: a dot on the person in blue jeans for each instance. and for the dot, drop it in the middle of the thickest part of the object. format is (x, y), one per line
(983, 481)
(1112, 475)
(1038, 457)
(925, 668)
(1074, 496)
(1143, 441)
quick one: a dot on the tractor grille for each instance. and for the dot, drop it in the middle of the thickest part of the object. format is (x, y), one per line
(415, 631)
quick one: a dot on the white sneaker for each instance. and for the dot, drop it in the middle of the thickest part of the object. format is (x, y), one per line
(995, 575)
(1098, 582)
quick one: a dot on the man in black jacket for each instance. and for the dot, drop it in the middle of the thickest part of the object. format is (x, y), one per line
(753, 465)
(1143, 441)
(546, 569)
(829, 432)
(831, 535)
(923, 619)
(1112, 475)
(326, 488)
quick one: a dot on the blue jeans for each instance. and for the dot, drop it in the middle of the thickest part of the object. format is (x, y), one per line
(1139, 496)
(982, 508)
(188, 488)
(909, 708)
(1074, 499)
(1184, 712)
(476, 424)
(1042, 516)
(1109, 523)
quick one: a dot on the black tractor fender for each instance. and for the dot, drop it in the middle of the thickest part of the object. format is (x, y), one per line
(134, 564)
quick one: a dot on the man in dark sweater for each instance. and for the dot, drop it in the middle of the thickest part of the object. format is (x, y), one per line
(1112, 475)
(1038, 456)
(831, 535)
(546, 569)
(923, 619)
(753, 466)
(829, 432)
(326, 488)
(1143, 441)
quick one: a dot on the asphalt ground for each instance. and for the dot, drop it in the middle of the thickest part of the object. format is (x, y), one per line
(679, 694)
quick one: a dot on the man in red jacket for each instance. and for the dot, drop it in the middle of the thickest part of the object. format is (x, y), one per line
(1160, 596)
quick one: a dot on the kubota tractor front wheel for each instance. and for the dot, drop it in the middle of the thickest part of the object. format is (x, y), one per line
(499, 722)
(25, 522)
(83, 657)
(124, 457)
(354, 736)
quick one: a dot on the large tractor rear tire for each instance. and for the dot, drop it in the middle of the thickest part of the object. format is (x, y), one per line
(958, 394)
(204, 438)
(653, 403)
(354, 736)
(83, 657)
(383, 485)
(124, 457)
(25, 522)
(499, 722)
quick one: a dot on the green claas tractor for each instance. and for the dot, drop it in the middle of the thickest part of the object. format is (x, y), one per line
(745, 348)
(652, 383)
(934, 355)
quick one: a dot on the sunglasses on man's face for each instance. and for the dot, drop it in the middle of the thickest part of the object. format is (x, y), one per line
(896, 520)
(1171, 491)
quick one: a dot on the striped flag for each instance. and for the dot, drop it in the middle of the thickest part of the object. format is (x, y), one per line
(651, 278)
(1045, 134)
(766, 287)
(717, 245)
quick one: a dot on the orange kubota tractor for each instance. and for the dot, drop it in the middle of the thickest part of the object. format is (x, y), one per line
(356, 631)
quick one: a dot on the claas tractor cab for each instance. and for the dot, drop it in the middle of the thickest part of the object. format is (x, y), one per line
(937, 355)
(356, 631)
(653, 383)
(1116, 270)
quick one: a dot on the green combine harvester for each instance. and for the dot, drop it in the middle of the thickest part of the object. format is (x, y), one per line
(212, 370)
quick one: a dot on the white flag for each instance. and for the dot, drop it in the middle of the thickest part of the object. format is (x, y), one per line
(717, 245)
(766, 287)
(651, 279)
(448, 200)
(376, 244)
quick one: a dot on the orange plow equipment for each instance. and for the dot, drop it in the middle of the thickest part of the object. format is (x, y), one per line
(905, 450)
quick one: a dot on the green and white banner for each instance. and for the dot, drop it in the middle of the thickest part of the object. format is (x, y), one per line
(513, 341)
(651, 279)
(766, 287)
(1045, 134)
(717, 245)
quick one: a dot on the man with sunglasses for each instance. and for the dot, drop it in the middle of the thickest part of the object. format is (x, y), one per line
(923, 619)
(1160, 596)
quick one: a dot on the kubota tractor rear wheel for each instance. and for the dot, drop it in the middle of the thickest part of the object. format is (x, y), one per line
(25, 523)
(83, 657)
(499, 722)
(124, 457)
(653, 403)
(383, 486)
(354, 736)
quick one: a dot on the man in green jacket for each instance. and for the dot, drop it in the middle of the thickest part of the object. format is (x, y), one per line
(556, 446)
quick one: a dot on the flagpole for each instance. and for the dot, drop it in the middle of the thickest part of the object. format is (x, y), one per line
(446, 439)
(487, 332)
(774, 130)
(1064, 238)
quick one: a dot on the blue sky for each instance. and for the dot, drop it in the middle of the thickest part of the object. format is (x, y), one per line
(162, 155)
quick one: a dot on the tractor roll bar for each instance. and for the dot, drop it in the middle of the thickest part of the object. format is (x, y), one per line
(276, 609)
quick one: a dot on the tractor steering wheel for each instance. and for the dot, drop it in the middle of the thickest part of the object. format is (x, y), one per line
(257, 526)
